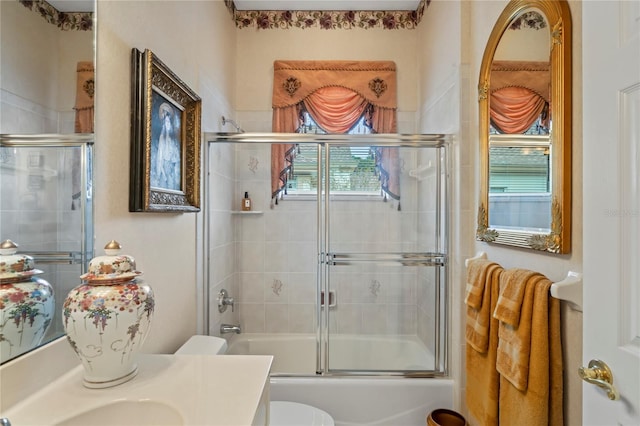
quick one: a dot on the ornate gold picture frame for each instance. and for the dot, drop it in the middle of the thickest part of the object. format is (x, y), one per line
(165, 139)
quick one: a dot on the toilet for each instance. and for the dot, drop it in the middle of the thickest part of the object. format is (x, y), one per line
(281, 413)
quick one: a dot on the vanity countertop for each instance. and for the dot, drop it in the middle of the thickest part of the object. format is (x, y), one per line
(206, 390)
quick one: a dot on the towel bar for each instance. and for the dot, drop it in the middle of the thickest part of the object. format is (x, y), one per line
(569, 289)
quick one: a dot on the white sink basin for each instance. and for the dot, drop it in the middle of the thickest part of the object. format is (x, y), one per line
(127, 413)
(176, 390)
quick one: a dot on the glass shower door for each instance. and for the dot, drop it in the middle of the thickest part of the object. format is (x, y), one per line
(47, 208)
(383, 290)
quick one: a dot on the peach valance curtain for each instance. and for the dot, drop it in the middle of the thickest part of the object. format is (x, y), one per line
(520, 93)
(336, 94)
(531, 75)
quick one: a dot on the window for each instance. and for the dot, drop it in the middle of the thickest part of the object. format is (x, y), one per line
(520, 181)
(352, 169)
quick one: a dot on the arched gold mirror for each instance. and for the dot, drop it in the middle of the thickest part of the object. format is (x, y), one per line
(524, 95)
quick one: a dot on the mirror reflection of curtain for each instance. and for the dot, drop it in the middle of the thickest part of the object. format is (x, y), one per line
(84, 97)
(519, 95)
(85, 85)
(336, 94)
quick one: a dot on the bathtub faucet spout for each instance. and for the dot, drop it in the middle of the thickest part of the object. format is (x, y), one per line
(229, 328)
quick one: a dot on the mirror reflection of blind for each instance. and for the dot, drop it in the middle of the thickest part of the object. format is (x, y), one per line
(352, 169)
(519, 170)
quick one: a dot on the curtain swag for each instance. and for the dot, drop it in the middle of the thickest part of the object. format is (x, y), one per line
(336, 94)
(515, 109)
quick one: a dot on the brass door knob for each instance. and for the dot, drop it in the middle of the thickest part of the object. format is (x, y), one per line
(598, 373)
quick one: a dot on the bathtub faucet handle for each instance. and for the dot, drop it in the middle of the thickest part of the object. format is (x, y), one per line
(224, 300)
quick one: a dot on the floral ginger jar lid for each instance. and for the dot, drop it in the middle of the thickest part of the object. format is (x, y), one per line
(112, 268)
(15, 267)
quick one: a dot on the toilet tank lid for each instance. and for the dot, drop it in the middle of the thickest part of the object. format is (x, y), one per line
(203, 345)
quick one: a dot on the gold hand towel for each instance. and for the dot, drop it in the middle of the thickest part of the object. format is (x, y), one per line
(512, 288)
(540, 401)
(481, 275)
(483, 380)
(514, 340)
(476, 279)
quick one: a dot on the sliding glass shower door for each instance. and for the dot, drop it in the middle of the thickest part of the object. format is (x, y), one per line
(382, 287)
(349, 266)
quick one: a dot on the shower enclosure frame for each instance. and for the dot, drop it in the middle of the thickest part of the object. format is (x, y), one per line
(439, 257)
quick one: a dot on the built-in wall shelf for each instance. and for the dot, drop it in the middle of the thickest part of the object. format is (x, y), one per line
(246, 212)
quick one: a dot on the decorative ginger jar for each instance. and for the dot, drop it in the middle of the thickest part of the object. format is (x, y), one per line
(26, 303)
(108, 317)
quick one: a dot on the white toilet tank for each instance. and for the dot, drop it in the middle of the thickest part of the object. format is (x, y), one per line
(203, 345)
(282, 413)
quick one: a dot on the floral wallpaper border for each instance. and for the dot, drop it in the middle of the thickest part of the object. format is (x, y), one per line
(327, 20)
(66, 21)
(532, 20)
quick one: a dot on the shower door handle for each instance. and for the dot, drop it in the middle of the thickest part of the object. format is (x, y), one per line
(332, 298)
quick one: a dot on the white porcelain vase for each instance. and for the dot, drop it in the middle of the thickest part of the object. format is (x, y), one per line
(108, 318)
(26, 303)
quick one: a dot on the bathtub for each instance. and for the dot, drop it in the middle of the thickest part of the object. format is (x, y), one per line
(352, 400)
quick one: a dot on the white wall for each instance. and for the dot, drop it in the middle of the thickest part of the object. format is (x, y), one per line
(196, 40)
(438, 85)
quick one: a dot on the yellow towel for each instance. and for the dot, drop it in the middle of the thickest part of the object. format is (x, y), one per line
(482, 387)
(512, 286)
(476, 278)
(480, 276)
(536, 400)
(514, 337)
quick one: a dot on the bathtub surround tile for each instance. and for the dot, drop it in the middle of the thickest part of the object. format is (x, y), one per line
(374, 318)
(252, 317)
(252, 164)
(302, 257)
(221, 228)
(250, 257)
(402, 319)
(426, 326)
(277, 224)
(348, 318)
(371, 288)
(303, 228)
(250, 287)
(221, 263)
(276, 288)
(341, 282)
(276, 256)
(276, 318)
(219, 161)
(302, 288)
(250, 228)
(402, 290)
(302, 318)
